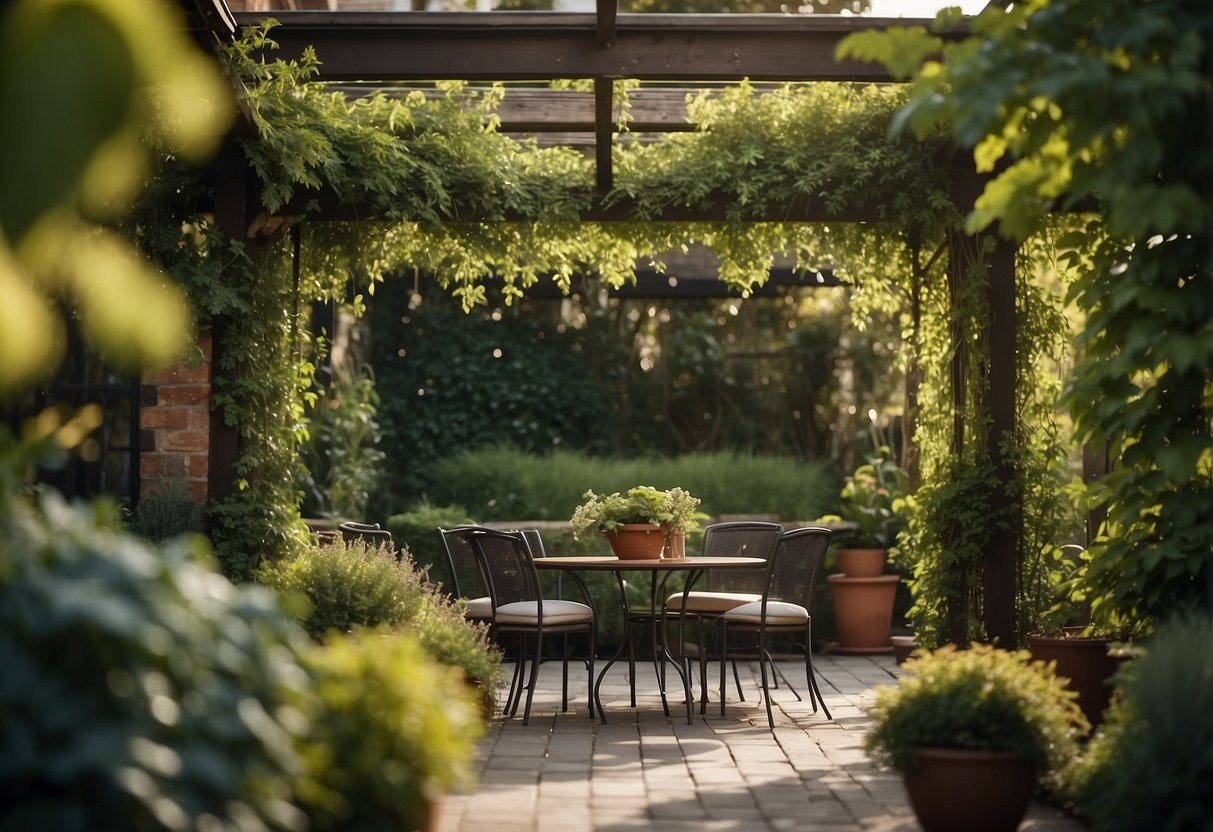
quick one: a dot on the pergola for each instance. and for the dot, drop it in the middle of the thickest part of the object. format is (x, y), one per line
(383, 48)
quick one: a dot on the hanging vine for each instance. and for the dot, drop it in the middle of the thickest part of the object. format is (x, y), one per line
(417, 166)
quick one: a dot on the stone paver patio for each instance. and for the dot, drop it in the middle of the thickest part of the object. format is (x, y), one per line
(642, 770)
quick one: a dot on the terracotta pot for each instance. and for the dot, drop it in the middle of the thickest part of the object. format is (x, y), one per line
(432, 820)
(954, 790)
(1086, 664)
(637, 541)
(863, 612)
(860, 563)
(903, 646)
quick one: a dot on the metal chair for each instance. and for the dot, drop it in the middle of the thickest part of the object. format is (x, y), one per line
(519, 608)
(467, 581)
(784, 608)
(369, 533)
(723, 589)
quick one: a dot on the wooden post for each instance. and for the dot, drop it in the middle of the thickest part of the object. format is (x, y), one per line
(232, 216)
(1000, 565)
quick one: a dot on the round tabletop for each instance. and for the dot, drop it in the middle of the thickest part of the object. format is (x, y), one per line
(612, 564)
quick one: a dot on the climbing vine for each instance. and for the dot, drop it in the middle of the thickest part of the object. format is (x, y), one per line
(422, 165)
(1093, 104)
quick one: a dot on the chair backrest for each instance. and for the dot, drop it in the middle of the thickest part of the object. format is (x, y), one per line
(742, 539)
(507, 565)
(467, 581)
(535, 542)
(367, 532)
(794, 568)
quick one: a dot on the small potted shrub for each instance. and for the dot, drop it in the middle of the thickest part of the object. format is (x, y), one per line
(972, 732)
(641, 523)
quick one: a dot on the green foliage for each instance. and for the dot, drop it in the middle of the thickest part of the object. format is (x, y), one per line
(169, 511)
(391, 730)
(443, 391)
(348, 585)
(1090, 103)
(873, 498)
(624, 377)
(140, 83)
(953, 518)
(795, 146)
(674, 508)
(352, 585)
(980, 699)
(260, 386)
(417, 530)
(505, 484)
(342, 461)
(141, 689)
(1149, 765)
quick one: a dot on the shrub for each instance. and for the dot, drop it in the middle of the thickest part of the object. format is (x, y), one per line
(391, 730)
(358, 585)
(141, 690)
(506, 484)
(1150, 765)
(349, 585)
(417, 529)
(168, 511)
(981, 699)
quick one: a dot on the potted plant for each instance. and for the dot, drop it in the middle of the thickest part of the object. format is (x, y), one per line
(871, 503)
(1082, 653)
(643, 522)
(972, 731)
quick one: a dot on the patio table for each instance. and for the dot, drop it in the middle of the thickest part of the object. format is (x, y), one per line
(655, 615)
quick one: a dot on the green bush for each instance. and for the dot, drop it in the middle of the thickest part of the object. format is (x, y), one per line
(391, 730)
(168, 511)
(417, 530)
(348, 585)
(1150, 764)
(140, 689)
(358, 585)
(980, 699)
(505, 484)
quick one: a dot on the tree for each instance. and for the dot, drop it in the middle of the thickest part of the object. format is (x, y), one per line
(1104, 106)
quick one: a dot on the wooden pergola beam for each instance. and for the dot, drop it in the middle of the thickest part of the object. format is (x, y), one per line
(538, 46)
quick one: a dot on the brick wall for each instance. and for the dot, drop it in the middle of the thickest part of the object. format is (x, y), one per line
(174, 423)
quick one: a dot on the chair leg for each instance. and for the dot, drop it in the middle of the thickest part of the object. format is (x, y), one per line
(762, 667)
(516, 684)
(632, 669)
(737, 681)
(812, 675)
(564, 672)
(530, 688)
(589, 688)
(724, 660)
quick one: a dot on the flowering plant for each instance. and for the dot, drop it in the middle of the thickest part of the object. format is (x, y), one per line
(873, 498)
(674, 509)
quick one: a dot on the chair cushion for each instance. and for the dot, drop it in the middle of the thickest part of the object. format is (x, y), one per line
(554, 612)
(479, 608)
(710, 602)
(778, 612)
